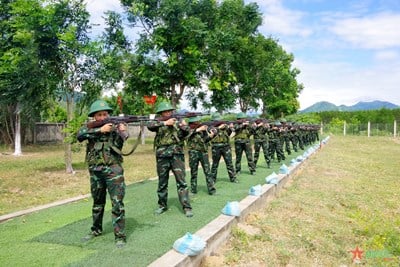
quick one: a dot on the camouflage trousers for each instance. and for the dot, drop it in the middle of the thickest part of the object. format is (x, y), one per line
(257, 147)
(111, 178)
(295, 141)
(224, 151)
(196, 157)
(245, 147)
(275, 146)
(176, 164)
(286, 140)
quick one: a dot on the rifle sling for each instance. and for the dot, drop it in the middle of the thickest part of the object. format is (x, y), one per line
(135, 145)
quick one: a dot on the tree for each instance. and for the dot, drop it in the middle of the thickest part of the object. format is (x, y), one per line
(76, 55)
(169, 51)
(23, 78)
(232, 25)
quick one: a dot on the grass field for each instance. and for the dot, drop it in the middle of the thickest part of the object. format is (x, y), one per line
(347, 196)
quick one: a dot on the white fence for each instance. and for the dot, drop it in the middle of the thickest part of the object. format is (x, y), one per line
(366, 129)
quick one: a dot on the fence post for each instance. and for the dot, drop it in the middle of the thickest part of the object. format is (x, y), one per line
(344, 128)
(321, 128)
(394, 128)
(369, 128)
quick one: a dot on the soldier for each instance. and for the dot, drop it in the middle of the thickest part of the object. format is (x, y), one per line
(197, 143)
(243, 132)
(169, 145)
(104, 159)
(285, 136)
(294, 136)
(275, 145)
(261, 141)
(220, 147)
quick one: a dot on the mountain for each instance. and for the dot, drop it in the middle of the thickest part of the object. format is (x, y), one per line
(327, 106)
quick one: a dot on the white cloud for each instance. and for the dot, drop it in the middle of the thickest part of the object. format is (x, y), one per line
(279, 20)
(377, 31)
(96, 8)
(387, 55)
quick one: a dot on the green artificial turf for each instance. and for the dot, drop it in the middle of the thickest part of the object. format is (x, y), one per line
(52, 237)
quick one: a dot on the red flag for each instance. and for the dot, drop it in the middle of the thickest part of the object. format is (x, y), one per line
(150, 100)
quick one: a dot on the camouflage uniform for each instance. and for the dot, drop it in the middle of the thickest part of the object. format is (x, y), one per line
(220, 147)
(169, 145)
(104, 159)
(294, 138)
(275, 145)
(261, 141)
(243, 132)
(197, 143)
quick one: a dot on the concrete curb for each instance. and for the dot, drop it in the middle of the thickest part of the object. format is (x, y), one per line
(38, 208)
(218, 231)
(9, 216)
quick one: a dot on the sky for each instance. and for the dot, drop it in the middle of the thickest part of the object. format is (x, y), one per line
(347, 51)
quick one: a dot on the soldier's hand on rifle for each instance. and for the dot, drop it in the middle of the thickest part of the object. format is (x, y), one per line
(202, 128)
(106, 128)
(212, 132)
(122, 127)
(222, 126)
(170, 122)
(183, 123)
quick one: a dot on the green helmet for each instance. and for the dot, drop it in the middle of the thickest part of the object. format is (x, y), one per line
(164, 106)
(194, 119)
(99, 105)
(277, 123)
(241, 115)
(216, 116)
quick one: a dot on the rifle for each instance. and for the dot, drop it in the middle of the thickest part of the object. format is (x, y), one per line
(216, 124)
(117, 120)
(261, 120)
(180, 116)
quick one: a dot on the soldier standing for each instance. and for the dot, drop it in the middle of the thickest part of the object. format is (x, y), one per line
(169, 145)
(243, 132)
(261, 141)
(220, 147)
(104, 159)
(275, 145)
(197, 143)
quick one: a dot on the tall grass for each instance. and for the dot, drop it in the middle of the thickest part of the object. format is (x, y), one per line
(347, 196)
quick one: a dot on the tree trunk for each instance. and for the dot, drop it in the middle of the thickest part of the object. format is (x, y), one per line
(68, 147)
(17, 140)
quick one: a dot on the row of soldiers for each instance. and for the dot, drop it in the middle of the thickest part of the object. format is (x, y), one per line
(249, 134)
(105, 138)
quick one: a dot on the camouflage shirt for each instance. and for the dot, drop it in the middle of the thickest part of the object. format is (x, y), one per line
(198, 140)
(222, 136)
(169, 140)
(243, 132)
(260, 133)
(102, 148)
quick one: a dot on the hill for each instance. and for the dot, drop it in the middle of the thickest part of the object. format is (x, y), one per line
(327, 106)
